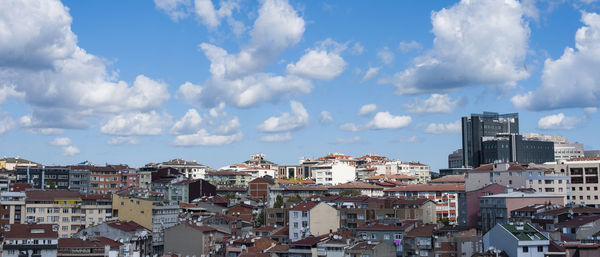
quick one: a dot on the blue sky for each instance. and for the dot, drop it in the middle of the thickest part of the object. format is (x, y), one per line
(140, 81)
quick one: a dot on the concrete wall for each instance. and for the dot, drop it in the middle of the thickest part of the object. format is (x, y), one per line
(323, 218)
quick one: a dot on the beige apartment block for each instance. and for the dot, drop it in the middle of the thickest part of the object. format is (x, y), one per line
(583, 176)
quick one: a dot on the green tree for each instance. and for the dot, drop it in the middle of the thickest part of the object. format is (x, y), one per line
(278, 202)
(51, 184)
(295, 199)
(260, 219)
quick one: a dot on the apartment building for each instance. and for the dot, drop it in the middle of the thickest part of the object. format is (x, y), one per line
(30, 240)
(517, 239)
(104, 180)
(583, 175)
(79, 178)
(333, 173)
(415, 169)
(190, 169)
(70, 210)
(43, 177)
(445, 196)
(12, 208)
(312, 218)
(226, 177)
(357, 186)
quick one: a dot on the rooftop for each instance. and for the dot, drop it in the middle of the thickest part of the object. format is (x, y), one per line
(577, 221)
(356, 185)
(26, 231)
(524, 231)
(449, 179)
(427, 188)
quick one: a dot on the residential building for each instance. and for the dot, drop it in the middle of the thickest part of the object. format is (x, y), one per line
(135, 239)
(312, 218)
(422, 209)
(104, 179)
(357, 186)
(10, 163)
(259, 187)
(445, 196)
(225, 177)
(496, 209)
(99, 247)
(145, 178)
(455, 159)
(419, 241)
(580, 228)
(453, 171)
(12, 208)
(190, 169)
(333, 173)
(187, 239)
(187, 190)
(71, 210)
(370, 248)
(415, 169)
(591, 153)
(391, 234)
(43, 177)
(30, 240)
(290, 171)
(487, 124)
(583, 176)
(79, 178)
(517, 239)
(468, 203)
(393, 178)
(276, 216)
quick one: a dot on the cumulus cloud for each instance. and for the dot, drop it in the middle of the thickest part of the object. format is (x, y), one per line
(136, 123)
(237, 78)
(349, 126)
(6, 123)
(571, 80)
(371, 73)
(287, 121)
(385, 120)
(367, 109)
(558, 122)
(323, 62)
(188, 124)
(476, 43)
(276, 138)
(444, 128)
(7, 92)
(205, 12)
(204, 138)
(176, 9)
(66, 146)
(325, 117)
(228, 127)
(436, 103)
(123, 141)
(406, 47)
(62, 83)
(342, 140)
(385, 55)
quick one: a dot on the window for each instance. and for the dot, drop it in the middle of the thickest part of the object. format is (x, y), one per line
(295, 224)
(295, 214)
(525, 249)
(65, 228)
(65, 219)
(386, 236)
(295, 235)
(540, 248)
(361, 216)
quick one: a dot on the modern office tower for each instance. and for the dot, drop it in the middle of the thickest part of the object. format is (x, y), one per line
(514, 148)
(478, 126)
(455, 159)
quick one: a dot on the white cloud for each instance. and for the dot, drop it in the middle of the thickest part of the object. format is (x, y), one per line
(406, 47)
(176, 9)
(357, 49)
(70, 150)
(229, 127)
(367, 109)
(325, 117)
(287, 121)
(277, 138)
(61, 141)
(385, 55)
(62, 83)
(589, 111)
(385, 120)
(571, 80)
(217, 111)
(123, 141)
(9, 91)
(188, 124)
(444, 128)
(558, 122)
(46, 131)
(136, 123)
(6, 123)
(323, 62)
(436, 103)
(341, 140)
(371, 73)
(350, 127)
(204, 138)
(476, 43)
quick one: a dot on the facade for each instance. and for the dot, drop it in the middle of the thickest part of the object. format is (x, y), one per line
(445, 196)
(563, 149)
(70, 210)
(415, 169)
(517, 239)
(104, 180)
(496, 209)
(513, 148)
(187, 190)
(30, 240)
(583, 176)
(190, 169)
(187, 239)
(487, 124)
(79, 178)
(12, 208)
(43, 177)
(226, 177)
(362, 187)
(259, 187)
(333, 173)
(135, 239)
(468, 203)
(312, 218)
(11, 164)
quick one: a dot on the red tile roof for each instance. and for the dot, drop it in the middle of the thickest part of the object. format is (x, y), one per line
(577, 221)
(261, 180)
(415, 201)
(309, 241)
(391, 176)
(78, 243)
(427, 188)
(265, 228)
(449, 179)
(425, 230)
(26, 231)
(304, 206)
(356, 185)
(227, 173)
(51, 195)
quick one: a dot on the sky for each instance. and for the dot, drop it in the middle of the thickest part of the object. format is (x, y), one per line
(135, 82)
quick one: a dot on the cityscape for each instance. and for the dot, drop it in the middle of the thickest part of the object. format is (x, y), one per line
(284, 128)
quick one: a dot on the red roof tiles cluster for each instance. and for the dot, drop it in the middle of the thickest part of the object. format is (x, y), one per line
(26, 231)
(356, 185)
(304, 206)
(427, 188)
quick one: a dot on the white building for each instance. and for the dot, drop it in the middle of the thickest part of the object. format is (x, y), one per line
(517, 240)
(190, 169)
(333, 173)
(415, 169)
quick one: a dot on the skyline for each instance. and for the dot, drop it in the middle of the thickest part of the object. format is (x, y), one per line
(215, 82)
